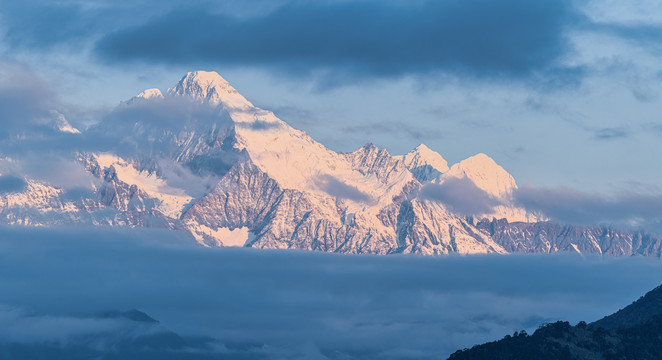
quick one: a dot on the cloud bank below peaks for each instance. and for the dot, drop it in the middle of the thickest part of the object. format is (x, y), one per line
(311, 305)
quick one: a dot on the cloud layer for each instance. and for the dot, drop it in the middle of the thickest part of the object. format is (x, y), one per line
(289, 304)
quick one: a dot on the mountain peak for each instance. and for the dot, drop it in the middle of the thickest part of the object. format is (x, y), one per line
(478, 161)
(210, 87)
(205, 78)
(485, 173)
(424, 163)
(60, 123)
(150, 93)
(422, 148)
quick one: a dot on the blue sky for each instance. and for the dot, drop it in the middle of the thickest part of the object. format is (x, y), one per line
(560, 93)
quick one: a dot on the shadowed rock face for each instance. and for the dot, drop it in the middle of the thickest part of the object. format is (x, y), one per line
(634, 332)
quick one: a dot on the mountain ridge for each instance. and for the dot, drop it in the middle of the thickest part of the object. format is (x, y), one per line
(202, 159)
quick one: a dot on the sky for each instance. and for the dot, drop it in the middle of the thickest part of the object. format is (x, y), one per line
(297, 305)
(562, 94)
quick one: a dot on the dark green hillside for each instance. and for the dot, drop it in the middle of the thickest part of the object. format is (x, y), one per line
(638, 312)
(634, 332)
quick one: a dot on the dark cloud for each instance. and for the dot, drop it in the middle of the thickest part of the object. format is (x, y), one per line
(512, 38)
(339, 189)
(10, 184)
(460, 195)
(338, 41)
(292, 304)
(575, 207)
(43, 25)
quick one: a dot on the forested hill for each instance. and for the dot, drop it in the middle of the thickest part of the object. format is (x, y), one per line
(634, 332)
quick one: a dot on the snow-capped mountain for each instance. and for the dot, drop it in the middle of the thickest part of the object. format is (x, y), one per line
(424, 163)
(201, 158)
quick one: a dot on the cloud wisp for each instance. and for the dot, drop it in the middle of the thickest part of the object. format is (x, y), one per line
(460, 195)
(341, 190)
(611, 133)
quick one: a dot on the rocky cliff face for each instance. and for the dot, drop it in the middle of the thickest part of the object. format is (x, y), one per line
(204, 160)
